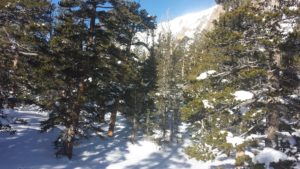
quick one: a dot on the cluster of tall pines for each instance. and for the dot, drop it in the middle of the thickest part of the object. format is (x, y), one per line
(75, 60)
(82, 58)
(253, 47)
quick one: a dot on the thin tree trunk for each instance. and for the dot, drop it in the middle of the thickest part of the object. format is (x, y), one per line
(164, 127)
(92, 23)
(73, 127)
(148, 123)
(1, 103)
(133, 132)
(68, 142)
(273, 117)
(101, 116)
(183, 68)
(113, 118)
(171, 121)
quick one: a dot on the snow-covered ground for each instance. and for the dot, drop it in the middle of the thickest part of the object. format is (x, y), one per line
(31, 149)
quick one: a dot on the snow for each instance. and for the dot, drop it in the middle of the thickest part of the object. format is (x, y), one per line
(188, 24)
(268, 155)
(250, 154)
(296, 133)
(31, 149)
(256, 136)
(243, 110)
(110, 102)
(287, 25)
(234, 140)
(207, 104)
(224, 81)
(287, 137)
(294, 96)
(243, 95)
(297, 166)
(206, 74)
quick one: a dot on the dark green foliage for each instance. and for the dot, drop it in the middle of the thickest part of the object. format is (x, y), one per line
(25, 26)
(74, 63)
(245, 48)
(244, 160)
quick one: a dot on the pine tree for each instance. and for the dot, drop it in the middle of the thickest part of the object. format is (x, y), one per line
(25, 27)
(172, 67)
(126, 22)
(23, 37)
(88, 68)
(246, 51)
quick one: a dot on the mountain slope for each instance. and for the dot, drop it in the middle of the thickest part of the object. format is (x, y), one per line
(188, 24)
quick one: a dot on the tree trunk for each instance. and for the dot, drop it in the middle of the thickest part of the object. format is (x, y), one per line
(68, 142)
(272, 126)
(92, 24)
(183, 68)
(133, 132)
(1, 102)
(101, 116)
(11, 102)
(70, 133)
(148, 123)
(172, 121)
(113, 118)
(164, 120)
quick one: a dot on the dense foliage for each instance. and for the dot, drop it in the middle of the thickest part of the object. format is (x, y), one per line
(249, 51)
(74, 60)
(236, 85)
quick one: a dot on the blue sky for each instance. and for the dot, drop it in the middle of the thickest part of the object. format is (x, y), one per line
(168, 9)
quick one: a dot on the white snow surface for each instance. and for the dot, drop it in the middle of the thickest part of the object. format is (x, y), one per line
(243, 95)
(268, 155)
(234, 140)
(31, 149)
(206, 74)
(297, 166)
(207, 104)
(185, 25)
(188, 24)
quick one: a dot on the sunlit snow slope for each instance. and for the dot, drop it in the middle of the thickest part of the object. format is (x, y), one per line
(188, 24)
(185, 25)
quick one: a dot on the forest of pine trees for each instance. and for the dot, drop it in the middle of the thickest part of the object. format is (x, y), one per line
(81, 59)
(75, 60)
(253, 47)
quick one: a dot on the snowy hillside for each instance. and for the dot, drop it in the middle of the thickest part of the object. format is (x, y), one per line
(188, 24)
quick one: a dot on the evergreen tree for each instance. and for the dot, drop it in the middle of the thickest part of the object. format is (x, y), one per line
(128, 20)
(88, 68)
(172, 67)
(25, 28)
(246, 52)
